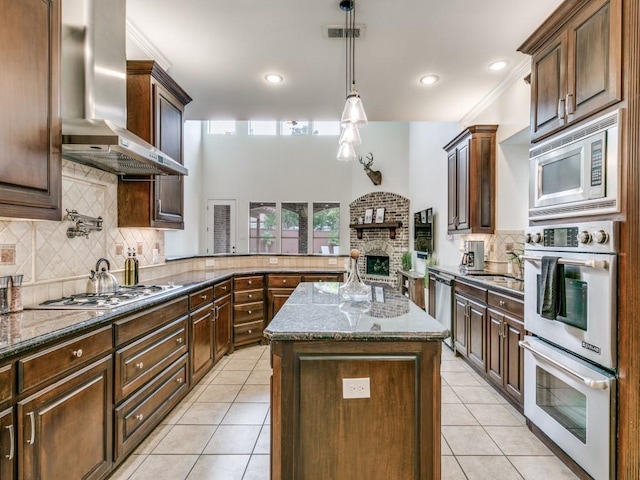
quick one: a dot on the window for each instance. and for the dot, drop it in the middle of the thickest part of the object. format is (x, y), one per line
(294, 128)
(221, 127)
(326, 228)
(326, 128)
(262, 227)
(294, 228)
(263, 127)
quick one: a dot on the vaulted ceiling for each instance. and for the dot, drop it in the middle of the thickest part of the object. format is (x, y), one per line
(219, 52)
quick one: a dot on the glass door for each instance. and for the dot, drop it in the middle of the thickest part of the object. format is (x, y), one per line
(221, 226)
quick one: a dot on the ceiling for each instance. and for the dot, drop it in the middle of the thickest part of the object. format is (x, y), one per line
(219, 52)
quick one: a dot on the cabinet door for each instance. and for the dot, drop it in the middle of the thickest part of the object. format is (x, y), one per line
(65, 431)
(460, 325)
(462, 188)
(223, 326)
(7, 445)
(202, 325)
(477, 334)
(548, 87)
(169, 134)
(432, 295)
(514, 358)
(277, 297)
(30, 131)
(452, 191)
(495, 368)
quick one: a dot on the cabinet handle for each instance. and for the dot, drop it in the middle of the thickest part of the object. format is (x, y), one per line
(249, 312)
(216, 313)
(569, 103)
(140, 365)
(248, 331)
(179, 380)
(11, 447)
(179, 340)
(32, 418)
(284, 281)
(250, 281)
(251, 295)
(77, 353)
(224, 287)
(203, 297)
(561, 109)
(140, 417)
(502, 303)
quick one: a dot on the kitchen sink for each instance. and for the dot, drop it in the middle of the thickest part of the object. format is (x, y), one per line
(494, 278)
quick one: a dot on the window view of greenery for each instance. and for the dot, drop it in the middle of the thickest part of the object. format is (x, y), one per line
(295, 228)
(326, 228)
(262, 227)
(294, 128)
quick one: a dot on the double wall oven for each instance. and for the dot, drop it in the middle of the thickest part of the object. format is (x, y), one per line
(571, 356)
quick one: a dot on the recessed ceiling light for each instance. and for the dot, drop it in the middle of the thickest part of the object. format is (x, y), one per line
(498, 65)
(429, 79)
(274, 78)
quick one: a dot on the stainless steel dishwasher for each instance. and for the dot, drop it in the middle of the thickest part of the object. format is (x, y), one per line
(444, 303)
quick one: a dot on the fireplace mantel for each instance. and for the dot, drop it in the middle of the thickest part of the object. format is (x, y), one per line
(359, 227)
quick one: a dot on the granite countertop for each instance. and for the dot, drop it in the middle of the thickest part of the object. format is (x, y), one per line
(21, 332)
(496, 281)
(315, 311)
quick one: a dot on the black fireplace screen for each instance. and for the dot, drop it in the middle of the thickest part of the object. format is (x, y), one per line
(377, 265)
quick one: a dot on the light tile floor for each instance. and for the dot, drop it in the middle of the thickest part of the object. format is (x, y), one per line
(220, 431)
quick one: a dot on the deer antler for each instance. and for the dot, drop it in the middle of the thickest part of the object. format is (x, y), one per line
(367, 164)
(374, 175)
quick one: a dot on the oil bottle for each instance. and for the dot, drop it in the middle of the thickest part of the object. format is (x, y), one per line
(129, 269)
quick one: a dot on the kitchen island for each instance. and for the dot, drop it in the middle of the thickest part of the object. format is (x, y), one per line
(355, 388)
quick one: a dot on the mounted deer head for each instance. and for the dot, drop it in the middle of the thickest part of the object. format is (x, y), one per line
(374, 175)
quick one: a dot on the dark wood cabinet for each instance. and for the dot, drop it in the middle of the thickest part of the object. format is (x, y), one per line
(279, 289)
(65, 430)
(222, 338)
(431, 309)
(460, 325)
(8, 445)
(30, 125)
(412, 286)
(155, 112)
(505, 356)
(576, 64)
(471, 158)
(248, 309)
(201, 319)
(470, 323)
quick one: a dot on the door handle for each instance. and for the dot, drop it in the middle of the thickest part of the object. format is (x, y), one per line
(569, 103)
(561, 108)
(11, 446)
(589, 382)
(32, 418)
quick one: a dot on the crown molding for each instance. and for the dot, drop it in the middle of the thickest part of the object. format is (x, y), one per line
(136, 36)
(518, 73)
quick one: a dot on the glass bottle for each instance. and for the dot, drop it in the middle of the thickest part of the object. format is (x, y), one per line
(354, 288)
(4, 295)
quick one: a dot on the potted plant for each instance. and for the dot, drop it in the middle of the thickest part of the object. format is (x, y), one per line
(406, 261)
(268, 239)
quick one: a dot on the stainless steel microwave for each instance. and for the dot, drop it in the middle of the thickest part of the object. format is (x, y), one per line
(577, 172)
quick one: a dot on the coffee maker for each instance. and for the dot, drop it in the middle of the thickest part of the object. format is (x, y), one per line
(473, 256)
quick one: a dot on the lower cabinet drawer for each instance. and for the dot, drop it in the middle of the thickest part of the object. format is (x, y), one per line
(140, 361)
(43, 366)
(247, 333)
(249, 312)
(7, 377)
(136, 417)
(248, 296)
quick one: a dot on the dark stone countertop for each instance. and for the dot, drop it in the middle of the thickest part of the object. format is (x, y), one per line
(316, 311)
(495, 281)
(26, 330)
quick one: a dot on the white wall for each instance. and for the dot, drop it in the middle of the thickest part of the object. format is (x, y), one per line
(186, 242)
(428, 183)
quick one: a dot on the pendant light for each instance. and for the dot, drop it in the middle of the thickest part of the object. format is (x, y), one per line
(353, 114)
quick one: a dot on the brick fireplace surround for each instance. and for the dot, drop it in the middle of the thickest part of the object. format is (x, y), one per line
(376, 241)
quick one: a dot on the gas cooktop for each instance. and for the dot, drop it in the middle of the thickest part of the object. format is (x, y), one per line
(103, 301)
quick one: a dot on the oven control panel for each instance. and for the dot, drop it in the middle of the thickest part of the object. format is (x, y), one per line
(596, 237)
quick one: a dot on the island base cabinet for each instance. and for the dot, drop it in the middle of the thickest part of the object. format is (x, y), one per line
(73, 419)
(393, 433)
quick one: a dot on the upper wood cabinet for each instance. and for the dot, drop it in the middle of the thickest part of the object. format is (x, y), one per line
(155, 112)
(576, 64)
(30, 125)
(471, 176)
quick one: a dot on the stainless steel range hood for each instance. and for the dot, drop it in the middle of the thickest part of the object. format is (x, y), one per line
(94, 93)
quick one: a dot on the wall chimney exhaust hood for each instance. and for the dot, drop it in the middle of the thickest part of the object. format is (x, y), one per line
(94, 94)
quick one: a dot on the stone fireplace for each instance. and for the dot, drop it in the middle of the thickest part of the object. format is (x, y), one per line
(380, 252)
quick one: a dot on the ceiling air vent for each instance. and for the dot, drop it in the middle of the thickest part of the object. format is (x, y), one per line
(339, 31)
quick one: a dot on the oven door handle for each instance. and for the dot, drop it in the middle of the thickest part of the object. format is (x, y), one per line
(589, 382)
(597, 264)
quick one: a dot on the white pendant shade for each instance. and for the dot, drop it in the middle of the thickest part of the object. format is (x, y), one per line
(353, 110)
(350, 134)
(346, 152)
